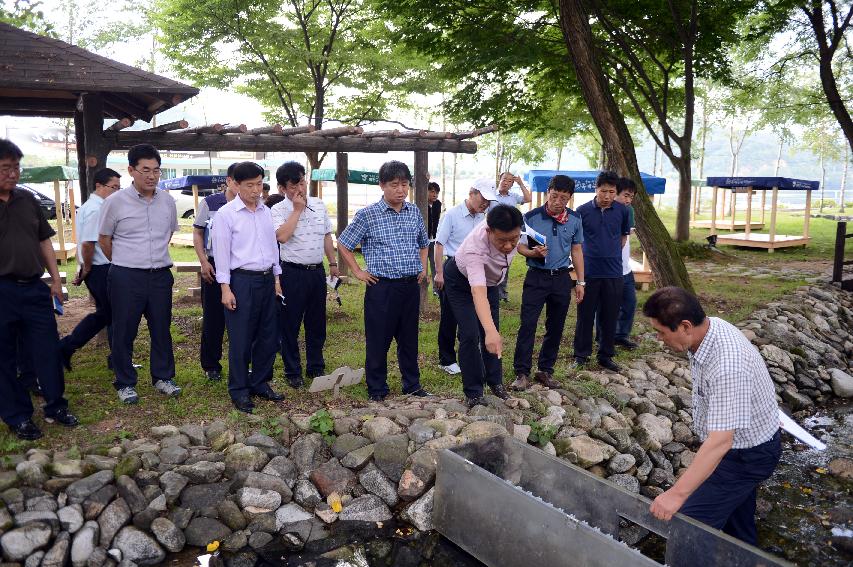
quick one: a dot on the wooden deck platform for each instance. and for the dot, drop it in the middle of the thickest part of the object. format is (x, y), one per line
(738, 224)
(762, 240)
(66, 254)
(182, 239)
(642, 275)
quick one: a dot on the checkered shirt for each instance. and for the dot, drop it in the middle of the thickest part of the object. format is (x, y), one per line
(390, 241)
(732, 389)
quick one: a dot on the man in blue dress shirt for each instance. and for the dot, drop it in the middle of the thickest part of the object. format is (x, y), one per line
(394, 242)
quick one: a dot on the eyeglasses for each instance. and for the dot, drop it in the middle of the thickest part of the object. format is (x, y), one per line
(10, 170)
(155, 172)
(114, 187)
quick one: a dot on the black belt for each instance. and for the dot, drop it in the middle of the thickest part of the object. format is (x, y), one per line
(20, 280)
(243, 272)
(150, 270)
(406, 279)
(303, 266)
(550, 272)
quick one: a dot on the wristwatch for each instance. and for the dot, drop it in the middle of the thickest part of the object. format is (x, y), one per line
(581, 283)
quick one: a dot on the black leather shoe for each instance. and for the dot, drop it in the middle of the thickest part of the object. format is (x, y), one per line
(268, 393)
(213, 375)
(378, 397)
(245, 405)
(609, 364)
(27, 430)
(295, 382)
(499, 391)
(627, 344)
(478, 401)
(63, 417)
(420, 393)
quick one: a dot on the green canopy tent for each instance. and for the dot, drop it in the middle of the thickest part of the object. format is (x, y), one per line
(361, 177)
(54, 174)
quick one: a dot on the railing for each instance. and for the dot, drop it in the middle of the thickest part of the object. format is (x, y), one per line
(838, 264)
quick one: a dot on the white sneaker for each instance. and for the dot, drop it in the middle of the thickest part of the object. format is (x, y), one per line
(128, 395)
(168, 387)
(452, 368)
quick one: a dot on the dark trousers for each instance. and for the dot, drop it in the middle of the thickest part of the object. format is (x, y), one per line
(479, 367)
(602, 299)
(625, 319)
(134, 294)
(726, 500)
(93, 323)
(391, 311)
(212, 325)
(446, 330)
(26, 309)
(554, 293)
(25, 362)
(431, 260)
(305, 305)
(252, 333)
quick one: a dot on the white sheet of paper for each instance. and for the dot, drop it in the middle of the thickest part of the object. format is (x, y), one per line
(537, 236)
(794, 429)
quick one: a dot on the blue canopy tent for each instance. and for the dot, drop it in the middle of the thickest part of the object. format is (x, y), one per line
(192, 184)
(749, 185)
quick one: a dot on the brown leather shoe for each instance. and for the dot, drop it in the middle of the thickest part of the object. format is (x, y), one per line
(547, 380)
(521, 383)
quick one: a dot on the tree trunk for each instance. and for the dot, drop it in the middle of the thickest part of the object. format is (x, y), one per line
(822, 181)
(314, 162)
(779, 157)
(702, 154)
(685, 188)
(667, 265)
(843, 180)
(559, 155)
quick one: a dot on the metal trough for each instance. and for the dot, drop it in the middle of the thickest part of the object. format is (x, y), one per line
(503, 501)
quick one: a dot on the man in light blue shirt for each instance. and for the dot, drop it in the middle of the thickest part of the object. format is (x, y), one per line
(455, 225)
(94, 267)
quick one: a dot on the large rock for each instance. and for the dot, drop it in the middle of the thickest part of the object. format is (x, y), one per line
(372, 479)
(202, 472)
(57, 555)
(306, 494)
(621, 463)
(367, 508)
(291, 514)
(71, 518)
(411, 486)
(626, 481)
(841, 467)
(79, 490)
(796, 400)
(95, 503)
(244, 458)
(419, 512)
(258, 499)
(67, 468)
(777, 357)
(19, 543)
(263, 481)
(589, 451)
(168, 534)
(112, 519)
(358, 458)
(390, 455)
(482, 429)
(332, 477)
(348, 443)
(266, 444)
(31, 473)
(173, 484)
(652, 431)
(283, 468)
(841, 382)
(84, 543)
(231, 515)
(379, 428)
(201, 496)
(129, 490)
(137, 546)
(201, 531)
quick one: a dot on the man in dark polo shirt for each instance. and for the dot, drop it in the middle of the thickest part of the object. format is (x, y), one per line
(26, 304)
(606, 227)
(136, 224)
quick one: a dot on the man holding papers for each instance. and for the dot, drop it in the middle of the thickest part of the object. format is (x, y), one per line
(735, 414)
(548, 283)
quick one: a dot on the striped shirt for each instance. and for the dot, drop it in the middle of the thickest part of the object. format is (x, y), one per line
(732, 390)
(305, 245)
(390, 241)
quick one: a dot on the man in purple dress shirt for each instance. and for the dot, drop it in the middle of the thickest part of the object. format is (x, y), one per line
(246, 253)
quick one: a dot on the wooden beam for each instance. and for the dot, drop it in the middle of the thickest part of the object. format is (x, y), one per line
(475, 133)
(252, 143)
(168, 127)
(380, 134)
(437, 135)
(342, 182)
(297, 130)
(207, 129)
(274, 129)
(335, 132)
(80, 143)
(422, 202)
(236, 129)
(412, 134)
(716, 191)
(96, 145)
(120, 125)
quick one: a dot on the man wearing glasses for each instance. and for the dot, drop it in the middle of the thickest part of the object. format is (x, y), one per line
(94, 267)
(548, 283)
(136, 226)
(26, 303)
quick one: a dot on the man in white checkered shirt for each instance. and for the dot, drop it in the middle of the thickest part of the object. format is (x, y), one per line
(735, 415)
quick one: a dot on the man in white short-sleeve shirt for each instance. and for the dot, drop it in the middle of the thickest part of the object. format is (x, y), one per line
(304, 233)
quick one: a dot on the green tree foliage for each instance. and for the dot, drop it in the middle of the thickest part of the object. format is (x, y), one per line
(26, 14)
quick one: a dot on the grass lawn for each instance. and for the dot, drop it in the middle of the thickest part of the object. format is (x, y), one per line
(104, 419)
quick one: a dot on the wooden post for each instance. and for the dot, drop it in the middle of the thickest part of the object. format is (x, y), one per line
(734, 208)
(72, 211)
(60, 219)
(838, 256)
(96, 146)
(693, 198)
(773, 204)
(714, 210)
(342, 182)
(808, 216)
(723, 206)
(80, 142)
(763, 203)
(195, 199)
(748, 213)
(421, 200)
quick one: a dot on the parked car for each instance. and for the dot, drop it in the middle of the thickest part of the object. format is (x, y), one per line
(185, 203)
(47, 204)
